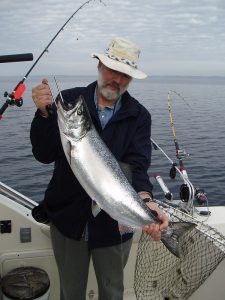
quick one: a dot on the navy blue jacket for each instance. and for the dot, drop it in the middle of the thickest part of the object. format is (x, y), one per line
(127, 135)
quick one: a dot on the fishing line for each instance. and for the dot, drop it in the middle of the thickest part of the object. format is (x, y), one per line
(180, 153)
(59, 91)
(15, 98)
(182, 174)
(199, 194)
(187, 191)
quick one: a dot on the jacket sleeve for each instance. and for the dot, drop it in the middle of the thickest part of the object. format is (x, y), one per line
(139, 153)
(44, 132)
(45, 138)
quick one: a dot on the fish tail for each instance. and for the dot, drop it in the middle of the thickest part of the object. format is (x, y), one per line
(171, 238)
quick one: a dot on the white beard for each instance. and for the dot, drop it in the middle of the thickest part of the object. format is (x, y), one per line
(107, 93)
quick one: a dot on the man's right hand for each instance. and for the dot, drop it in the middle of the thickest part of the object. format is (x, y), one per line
(42, 97)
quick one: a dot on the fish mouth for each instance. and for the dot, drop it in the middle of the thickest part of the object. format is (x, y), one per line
(67, 106)
(74, 119)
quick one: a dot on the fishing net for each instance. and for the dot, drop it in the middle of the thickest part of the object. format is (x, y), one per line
(160, 275)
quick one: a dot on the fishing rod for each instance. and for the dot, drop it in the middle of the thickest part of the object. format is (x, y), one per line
(16, 57)
(15, 98)
(183, 175)
(168, 195)
(180, 153)
(187, 191)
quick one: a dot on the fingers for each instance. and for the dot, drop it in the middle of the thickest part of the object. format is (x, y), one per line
(161, 215)
(165, 221)
(45, 81)
(153, 230)
(42, 96)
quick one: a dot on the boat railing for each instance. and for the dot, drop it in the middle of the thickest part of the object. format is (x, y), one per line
(16, 196)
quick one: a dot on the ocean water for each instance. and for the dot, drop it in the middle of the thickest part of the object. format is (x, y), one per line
(198, 119)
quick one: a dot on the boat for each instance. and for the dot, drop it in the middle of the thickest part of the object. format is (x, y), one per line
(26, 243)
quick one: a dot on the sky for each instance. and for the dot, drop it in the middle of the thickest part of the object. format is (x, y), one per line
(176, 37)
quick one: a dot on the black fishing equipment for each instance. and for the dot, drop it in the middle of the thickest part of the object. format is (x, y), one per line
(185, 189)
(15, 98)
(185, 197)
(16, 57)
(180, 153)
(173, 171)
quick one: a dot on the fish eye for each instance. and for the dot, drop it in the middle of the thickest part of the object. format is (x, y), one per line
(79, 111)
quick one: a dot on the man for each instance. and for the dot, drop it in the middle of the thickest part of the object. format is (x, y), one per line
(124, 125)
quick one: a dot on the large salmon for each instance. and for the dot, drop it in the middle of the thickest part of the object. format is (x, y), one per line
(100, 174)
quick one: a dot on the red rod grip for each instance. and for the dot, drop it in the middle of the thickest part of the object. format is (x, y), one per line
(19, 91)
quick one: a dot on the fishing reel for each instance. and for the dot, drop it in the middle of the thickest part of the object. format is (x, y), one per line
(181, 153)
(184, 192)
(15, 98)
(200, 196)
(11, 100)
(173, 171)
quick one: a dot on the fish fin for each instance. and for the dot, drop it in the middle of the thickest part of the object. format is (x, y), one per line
(95, 208)
(125, 229)
(67, 151)
(171, 237)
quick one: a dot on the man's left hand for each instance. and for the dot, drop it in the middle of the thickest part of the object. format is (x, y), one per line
(154, 229)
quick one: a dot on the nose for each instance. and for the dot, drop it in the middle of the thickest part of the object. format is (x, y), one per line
(117, 77)
(120, 78)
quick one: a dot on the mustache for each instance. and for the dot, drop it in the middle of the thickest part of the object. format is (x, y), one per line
(113, 84)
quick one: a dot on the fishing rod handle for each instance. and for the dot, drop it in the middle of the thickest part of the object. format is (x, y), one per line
(3, 108)
(49, 106)
(16, 57)
(167, 193)
(49, 109)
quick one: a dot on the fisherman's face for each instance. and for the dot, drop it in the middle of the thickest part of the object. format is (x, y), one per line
(112, 84)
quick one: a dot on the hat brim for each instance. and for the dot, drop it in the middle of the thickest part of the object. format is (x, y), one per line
(119, 66)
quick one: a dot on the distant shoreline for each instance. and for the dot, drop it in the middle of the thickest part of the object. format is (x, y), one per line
(149, 76)
(166, 79)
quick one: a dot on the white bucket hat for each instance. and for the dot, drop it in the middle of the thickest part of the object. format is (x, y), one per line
(122, 55)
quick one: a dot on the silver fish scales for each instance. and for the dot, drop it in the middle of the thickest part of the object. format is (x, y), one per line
(100, 174)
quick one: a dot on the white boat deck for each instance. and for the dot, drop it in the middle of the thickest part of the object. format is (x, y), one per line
(38, 252)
